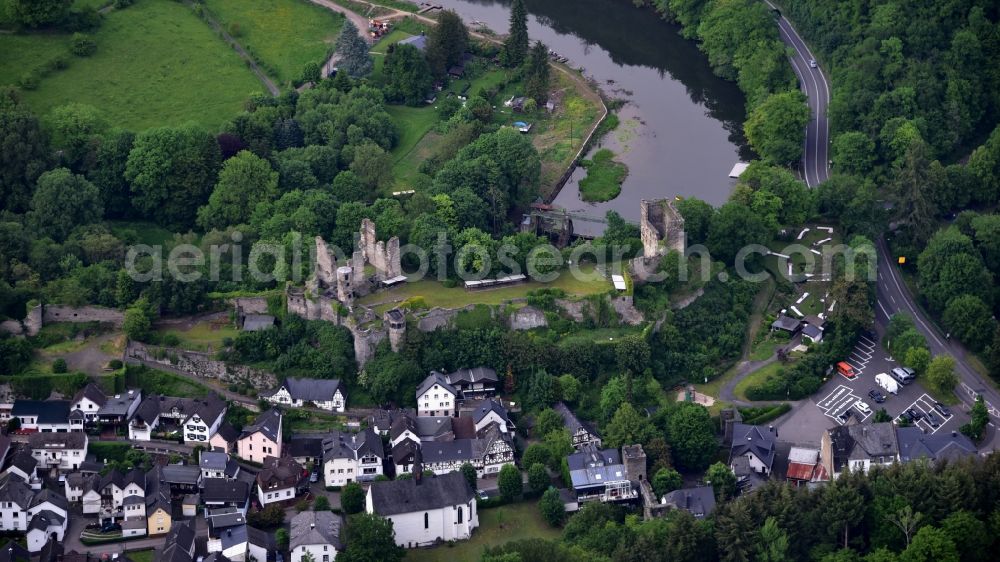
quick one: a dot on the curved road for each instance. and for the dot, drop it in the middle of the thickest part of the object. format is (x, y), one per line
(894, 296)
(815, 158)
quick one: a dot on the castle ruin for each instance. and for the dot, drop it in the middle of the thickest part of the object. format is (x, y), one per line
(661, 227)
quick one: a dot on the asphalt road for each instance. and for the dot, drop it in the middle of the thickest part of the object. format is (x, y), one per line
(815, 158)
(893, 297)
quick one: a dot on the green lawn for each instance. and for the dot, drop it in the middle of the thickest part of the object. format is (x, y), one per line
(22, 53)
(435, 294)
(203, 336)
(394, 36)
(756, 378)
(141, 555)
(413, 123)
(604, 177)
(156, 64)
(496, 526)
(152, 381)
(283, 34)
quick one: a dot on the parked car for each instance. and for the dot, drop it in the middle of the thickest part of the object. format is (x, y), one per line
(933, 419)
(904, 375)
(111, 527)
(915, 415)
(863, 407)
(844, 368)
(847, 414)
(942, 409)
(483, 496)
(907, 416)
(314, 477)
(877, 396)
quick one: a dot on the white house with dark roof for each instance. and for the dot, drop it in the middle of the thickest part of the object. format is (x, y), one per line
(46, 416)
(219, 493)
(315, 533)
(425, 510)
(214, 464)
(202, 423)
(262, 439)
(279, 480)
(88, 400)
(474, 383)
(491, 412)
(23, 464)
(145, 419)
(914, 445)
(754, 444)
(225, 438)
(858, 447)
(119, 408)
(352, 457)
(47, 518)
(59, 452)
(325, 394)
(436, 396)
(487, 453)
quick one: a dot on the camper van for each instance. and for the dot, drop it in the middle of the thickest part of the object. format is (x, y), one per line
(887, 383)
(845, 369)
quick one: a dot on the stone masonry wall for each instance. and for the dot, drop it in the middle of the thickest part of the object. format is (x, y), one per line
(202, 365)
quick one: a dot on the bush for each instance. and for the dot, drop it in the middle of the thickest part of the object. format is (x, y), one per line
(352, 498)
(757, 416)
(29, 80)
(235, 30)
(82, 45)
(59, 366)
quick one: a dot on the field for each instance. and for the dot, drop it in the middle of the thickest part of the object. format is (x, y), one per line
(152, 381)
(283, 34)
(156, 64)
(202, 336)
(756, 378)
(435, 294)
(496, 526)
(416, 141)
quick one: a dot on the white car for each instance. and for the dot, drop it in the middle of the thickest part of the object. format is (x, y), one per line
(862, 407)
(812, 63)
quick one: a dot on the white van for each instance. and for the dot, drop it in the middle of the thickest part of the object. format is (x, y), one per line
(887, 383)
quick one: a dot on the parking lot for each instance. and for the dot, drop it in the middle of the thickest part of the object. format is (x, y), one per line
(840, 400)
(862, 354)
(924, 406)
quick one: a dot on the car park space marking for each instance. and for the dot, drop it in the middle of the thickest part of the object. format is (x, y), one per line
(925, 405)
(840, 400)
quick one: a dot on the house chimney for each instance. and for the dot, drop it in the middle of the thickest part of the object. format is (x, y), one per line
(418, 466)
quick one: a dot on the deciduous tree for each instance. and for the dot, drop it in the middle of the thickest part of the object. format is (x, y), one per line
(244, 181)
(62, 201)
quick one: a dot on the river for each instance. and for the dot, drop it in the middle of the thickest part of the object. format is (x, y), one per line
(681, 128)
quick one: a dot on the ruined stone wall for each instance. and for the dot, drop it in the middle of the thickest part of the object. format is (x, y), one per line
(527, 318)
(661, 228)
(60, 313)
(437, 318)
(368, 240)
(312, 307)
(573, 309)
(249, 305)
(12, 327)
(627, 312)
(393, 268)
(365, 343)
(201, 365)
(325, 267)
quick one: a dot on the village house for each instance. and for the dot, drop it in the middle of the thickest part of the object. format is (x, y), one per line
(491, 412)
(88, 400)
(203, 422)
(915, 445)
(222, 493)
(804, 467)
(46, 416)
(145, 419)
(325, 394)
(474, 384)
(218, 465)
(487, 454)
(699, 501)
(118, 409)
(315, 534)
(583, 435)
(858, 447)
(262, 439)
(599, 475)
(751, 455)
(279, 480)
(436, 397)
(159, 512)
(180, 544)
(48, 518)
(425, 510)
(307, 450)
(225, 438)
(23, 464)
(227, 534)
(352, 457)
(59, 452)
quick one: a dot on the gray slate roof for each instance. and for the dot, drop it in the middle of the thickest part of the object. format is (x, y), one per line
(915, 444)
(438, 379)
(862, 441)
(592, 457)
(117, 406)
(407, 496)
(213, 460)
(473, 375)
(220, 490)
(699, 501)
(314, 528)
(268, 423)
(753, 439)
(418, 41)
(786, 323)
(487, 406)
(47, 411)
(92, 392)
(310, 390)
(342, 445)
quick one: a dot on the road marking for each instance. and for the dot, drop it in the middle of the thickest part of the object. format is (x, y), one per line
(925, 405)
(884, 311)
